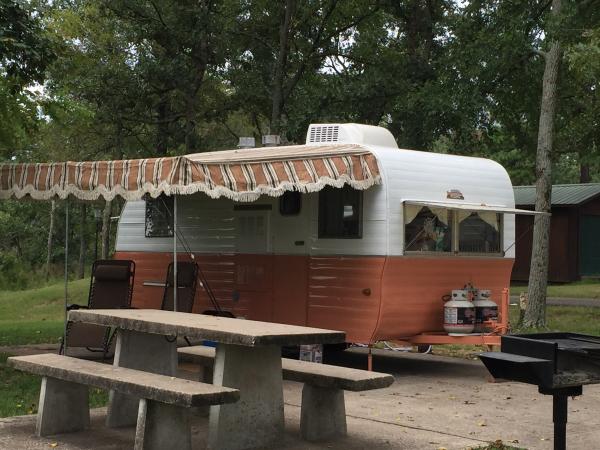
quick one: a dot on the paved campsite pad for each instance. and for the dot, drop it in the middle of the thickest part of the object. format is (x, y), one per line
(435, 402)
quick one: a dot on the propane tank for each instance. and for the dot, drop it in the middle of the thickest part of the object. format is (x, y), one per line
(459, 313)
(485, 309)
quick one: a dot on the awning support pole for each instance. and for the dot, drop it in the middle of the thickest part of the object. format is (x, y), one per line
(66, 274)
(175, 253)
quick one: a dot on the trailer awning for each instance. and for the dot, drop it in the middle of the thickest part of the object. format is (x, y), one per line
(241, 175)
(473, 207)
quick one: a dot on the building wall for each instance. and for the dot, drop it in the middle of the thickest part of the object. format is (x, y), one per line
(565, 244)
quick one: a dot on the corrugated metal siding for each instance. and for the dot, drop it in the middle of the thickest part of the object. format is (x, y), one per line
(337, 298)
(562, 194)
(212, 226)
(412, 290)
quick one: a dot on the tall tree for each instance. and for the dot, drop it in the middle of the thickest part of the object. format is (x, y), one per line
(25, 53)
(280, 48)
(535, 314)
(50, 238)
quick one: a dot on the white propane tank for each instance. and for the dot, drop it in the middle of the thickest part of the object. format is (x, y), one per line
(459, 313)
(485, 309)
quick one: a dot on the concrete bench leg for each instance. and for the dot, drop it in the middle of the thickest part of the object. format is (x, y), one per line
(141, 351)
(256, 420)
(205, 376)
(63, 408)
(161, 426)
(323, 413)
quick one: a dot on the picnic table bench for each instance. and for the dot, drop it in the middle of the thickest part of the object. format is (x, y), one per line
(323, 410)
(164, 402)
(248, 358)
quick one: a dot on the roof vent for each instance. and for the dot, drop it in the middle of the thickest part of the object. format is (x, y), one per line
(323, 133)
(349, 133)
(246, 142)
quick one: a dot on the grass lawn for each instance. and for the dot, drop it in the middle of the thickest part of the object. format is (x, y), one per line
(32, 317)
(19, 392)
(36, 316)
(576, 319)
(578, 289)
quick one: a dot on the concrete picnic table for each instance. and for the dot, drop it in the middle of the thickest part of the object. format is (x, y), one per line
(248, 358)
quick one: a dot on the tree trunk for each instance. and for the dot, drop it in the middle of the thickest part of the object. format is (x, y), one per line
(280, 65)
(535, 314)
(162, 128)
(584, 173)
(82, 241)
(190, 123)
(50, 238)
(105, 237)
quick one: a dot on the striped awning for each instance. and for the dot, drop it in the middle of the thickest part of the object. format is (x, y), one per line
(241, 175)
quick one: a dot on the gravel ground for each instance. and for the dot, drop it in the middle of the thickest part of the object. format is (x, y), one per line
(436, 402)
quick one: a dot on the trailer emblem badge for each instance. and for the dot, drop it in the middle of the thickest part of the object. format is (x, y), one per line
(454, 194)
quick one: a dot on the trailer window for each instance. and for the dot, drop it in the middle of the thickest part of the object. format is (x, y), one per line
(427, 230)
(290, 203)
(340, 213)
(479, 232)
(436, 229)
(159, 216)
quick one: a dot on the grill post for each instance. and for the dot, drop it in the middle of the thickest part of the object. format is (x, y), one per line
(559, 415)
(560, 396)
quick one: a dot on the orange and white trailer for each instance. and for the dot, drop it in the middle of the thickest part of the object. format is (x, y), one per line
(346, 232)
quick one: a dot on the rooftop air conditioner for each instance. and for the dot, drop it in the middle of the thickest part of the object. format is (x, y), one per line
(349, 133)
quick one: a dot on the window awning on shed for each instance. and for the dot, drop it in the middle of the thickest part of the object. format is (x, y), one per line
(472, 207)
(241, 175)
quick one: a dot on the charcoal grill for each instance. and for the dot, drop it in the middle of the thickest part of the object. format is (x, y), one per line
(558, 363)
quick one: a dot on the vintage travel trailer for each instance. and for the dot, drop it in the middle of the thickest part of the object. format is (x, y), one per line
(374, 261)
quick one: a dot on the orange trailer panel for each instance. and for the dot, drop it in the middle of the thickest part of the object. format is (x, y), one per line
(370, 298)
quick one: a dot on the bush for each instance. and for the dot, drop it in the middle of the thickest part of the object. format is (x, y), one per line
(13, 273)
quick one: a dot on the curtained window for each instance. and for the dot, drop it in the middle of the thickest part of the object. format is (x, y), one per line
(427, 229)
(436, 229)
(479, 232)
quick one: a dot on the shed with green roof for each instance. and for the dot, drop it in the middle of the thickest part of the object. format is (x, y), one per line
(574, 235)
